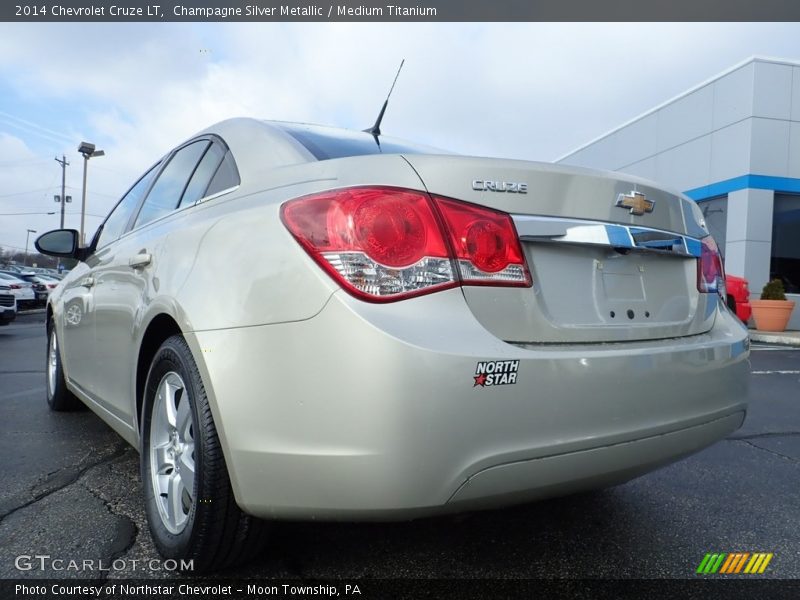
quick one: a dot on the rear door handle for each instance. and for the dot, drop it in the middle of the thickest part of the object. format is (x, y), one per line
(140, 260)
(87, 282)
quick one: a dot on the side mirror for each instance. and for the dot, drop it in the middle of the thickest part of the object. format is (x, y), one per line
(59, 242)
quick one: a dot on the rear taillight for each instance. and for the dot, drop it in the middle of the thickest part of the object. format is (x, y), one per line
(485, 243)
(383, 244)
(15, 286)
(710, 274)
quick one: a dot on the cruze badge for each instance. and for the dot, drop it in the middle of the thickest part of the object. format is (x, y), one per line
(487, 185)
(636, 201)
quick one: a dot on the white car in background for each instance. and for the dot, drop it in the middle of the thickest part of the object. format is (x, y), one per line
(8, 305)
(43, 285)
(21, 289)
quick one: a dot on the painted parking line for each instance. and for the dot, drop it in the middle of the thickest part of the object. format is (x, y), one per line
(755, 348)
(775, 372)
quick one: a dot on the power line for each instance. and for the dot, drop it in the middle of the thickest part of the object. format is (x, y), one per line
(26, 213)
(52, 187)
(72, 187)
(88, 214)
(51, 212)
(22, 161)
(27, 192)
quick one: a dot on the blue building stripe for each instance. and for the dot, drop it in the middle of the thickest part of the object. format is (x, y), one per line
(757, 182)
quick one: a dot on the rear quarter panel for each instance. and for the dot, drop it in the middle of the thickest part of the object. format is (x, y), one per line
(231, 262)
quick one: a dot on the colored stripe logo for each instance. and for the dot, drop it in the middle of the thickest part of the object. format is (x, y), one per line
(731, 563)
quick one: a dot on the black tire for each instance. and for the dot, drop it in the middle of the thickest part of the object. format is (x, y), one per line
(59, 398)
(215, 533)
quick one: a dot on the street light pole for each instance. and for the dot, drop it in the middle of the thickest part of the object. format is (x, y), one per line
(83, 199)
(27, 237)
(88, 151)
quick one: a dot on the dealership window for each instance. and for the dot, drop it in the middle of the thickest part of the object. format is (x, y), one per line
(785, 260)
(715, 212)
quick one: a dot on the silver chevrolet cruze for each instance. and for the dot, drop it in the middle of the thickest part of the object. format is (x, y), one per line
(295, 322)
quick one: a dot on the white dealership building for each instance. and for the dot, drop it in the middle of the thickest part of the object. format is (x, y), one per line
(733, 145)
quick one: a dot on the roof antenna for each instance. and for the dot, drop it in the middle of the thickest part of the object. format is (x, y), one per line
(375, 130)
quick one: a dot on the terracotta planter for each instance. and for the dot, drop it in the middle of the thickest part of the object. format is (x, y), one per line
(772, 315)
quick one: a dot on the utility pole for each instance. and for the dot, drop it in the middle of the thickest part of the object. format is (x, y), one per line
(63, 199)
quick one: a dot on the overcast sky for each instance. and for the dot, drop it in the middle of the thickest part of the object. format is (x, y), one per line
(532, 91)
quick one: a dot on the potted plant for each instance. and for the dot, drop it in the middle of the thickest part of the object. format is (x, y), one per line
(772, 312)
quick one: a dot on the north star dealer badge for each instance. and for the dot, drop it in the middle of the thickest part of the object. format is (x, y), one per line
(496, 372)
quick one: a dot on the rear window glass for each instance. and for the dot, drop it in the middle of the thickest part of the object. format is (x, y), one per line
(198, 184)
(329, 142)
(168, 188)
(226, 177)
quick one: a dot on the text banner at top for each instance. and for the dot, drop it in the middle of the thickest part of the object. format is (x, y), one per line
(400, 10)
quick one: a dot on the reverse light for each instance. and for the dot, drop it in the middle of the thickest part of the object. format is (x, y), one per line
(383, 244)
(710, 273)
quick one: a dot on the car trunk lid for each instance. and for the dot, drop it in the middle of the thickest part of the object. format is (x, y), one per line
(613, 258)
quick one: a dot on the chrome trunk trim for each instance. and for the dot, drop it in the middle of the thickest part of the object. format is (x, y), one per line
(626, 237)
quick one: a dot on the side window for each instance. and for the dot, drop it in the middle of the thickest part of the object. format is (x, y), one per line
(116, 221)
(227, 176)
(168, 188)
(202, 175)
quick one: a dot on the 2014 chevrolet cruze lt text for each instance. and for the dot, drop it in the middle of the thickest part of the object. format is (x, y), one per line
(294, 322)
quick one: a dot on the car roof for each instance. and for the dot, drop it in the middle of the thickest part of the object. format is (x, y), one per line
(282, 143)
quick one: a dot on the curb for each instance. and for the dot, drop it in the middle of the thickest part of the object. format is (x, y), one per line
(781, 339)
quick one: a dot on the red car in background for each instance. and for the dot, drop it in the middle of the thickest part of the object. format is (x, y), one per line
(738, 296)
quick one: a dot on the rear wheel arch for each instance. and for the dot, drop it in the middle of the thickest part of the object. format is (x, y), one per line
(160, 328)
(207, 526)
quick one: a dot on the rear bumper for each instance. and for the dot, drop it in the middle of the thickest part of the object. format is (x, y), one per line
(373, 412)
(587, 469)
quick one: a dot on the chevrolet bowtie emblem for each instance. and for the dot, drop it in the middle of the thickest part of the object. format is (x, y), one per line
(636, 201)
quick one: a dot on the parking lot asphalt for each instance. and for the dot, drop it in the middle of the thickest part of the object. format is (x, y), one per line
(71, 491)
